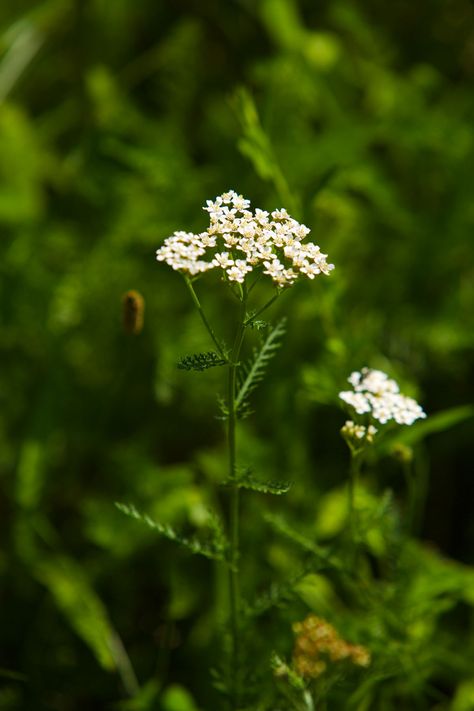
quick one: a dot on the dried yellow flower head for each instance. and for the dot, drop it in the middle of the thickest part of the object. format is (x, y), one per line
(317, 643)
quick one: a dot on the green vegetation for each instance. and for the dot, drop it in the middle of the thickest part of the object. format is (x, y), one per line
(117, 121)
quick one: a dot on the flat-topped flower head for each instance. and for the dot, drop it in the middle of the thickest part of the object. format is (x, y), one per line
(375, 394)
(239, 241)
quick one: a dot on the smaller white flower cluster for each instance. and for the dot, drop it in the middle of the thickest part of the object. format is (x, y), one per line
(354, 432)
(376, 394)
(238, 240)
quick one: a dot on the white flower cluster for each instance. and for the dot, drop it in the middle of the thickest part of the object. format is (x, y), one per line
(238, 240)
(358, 432)
(376, 394)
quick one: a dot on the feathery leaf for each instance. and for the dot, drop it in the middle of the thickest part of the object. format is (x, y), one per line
(246, 481)
(252, 373)
(259, 325)
(200, 361)
(209, 550)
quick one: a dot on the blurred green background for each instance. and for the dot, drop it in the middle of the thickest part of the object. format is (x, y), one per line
(117, 121)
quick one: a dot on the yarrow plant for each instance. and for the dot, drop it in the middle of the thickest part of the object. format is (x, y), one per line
(374, 397)
(242, 246)
(377, 395)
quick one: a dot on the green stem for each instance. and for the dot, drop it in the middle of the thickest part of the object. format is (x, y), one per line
(234, 590)
(254, 284)
(260, 311)
(203, 316)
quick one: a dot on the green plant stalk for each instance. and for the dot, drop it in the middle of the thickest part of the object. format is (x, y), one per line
(204, 319)
(234, 588)
(232, 361)
(248, 321)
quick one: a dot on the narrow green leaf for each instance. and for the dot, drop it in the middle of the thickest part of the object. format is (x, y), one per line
(255, 144)
(264, 487)
(81, 606)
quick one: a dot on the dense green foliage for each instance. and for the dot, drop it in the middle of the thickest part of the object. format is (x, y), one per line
(117, 121)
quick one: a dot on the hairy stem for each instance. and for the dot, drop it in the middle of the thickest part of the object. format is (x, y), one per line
(234, 591)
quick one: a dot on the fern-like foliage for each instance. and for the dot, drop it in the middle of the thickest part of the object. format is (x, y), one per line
(215, 549)
(201, 361)
(223, 409)
(216, 528)
(252, 373)
(259, 325)
(247, 481)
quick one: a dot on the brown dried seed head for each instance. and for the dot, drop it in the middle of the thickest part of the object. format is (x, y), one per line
(133, 311)
(360, 656)
(339, 650)
(318, 642)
